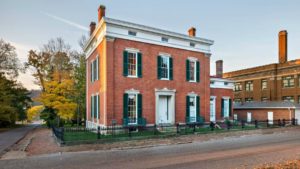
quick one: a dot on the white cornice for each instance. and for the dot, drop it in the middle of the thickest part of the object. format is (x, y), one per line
(113, 28)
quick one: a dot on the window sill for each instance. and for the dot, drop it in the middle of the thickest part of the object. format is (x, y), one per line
(164, 79)
(132, 76)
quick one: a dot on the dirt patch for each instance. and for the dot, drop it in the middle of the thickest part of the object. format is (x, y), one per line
(43, 141)
(294, 164)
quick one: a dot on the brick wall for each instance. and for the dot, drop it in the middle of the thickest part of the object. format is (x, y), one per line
(262, 114)
(117, 84)
(219, 93)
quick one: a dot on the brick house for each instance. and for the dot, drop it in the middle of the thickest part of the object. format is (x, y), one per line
(271, 110)
(139, 75)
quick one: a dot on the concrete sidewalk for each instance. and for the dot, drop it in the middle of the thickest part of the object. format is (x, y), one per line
(9, 138)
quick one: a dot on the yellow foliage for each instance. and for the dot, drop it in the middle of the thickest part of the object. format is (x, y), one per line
(57, 96)
(33, 112)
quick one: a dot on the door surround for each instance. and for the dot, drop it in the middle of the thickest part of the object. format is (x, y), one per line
(212, 118)
(171, 94)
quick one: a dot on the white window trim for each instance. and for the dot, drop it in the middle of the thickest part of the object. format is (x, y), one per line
(136, 51)
(228, 107)
(132, 91)
(168, 57)
(136, 106)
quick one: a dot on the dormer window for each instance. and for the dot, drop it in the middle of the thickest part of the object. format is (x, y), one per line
(192, 44)
(164, 39)
(132, 33)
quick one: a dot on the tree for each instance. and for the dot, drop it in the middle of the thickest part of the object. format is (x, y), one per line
(34, 112)
(54, 66)
(9, 63)
(14, 101)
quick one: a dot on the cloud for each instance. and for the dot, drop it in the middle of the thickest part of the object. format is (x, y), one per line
(76, 25)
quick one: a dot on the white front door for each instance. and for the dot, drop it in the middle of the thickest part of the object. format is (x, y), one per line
(212, 110)
(164, 109)
(249, 117)
(192, 108)
(270, 117)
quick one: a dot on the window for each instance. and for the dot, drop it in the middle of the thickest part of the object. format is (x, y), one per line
(237, 100)
(164, 67)
(132, 109)
(249, 86)
(288, 81)
(298, 80)
(264, 99)
(95, 106)
(132, 63)
(264, 84)
(192, 44)
(164, 39)
(95, 70)
(225, 83)
(132, 33)
(226, 107)
(212, 82)
(288, 99)
(192, 70)
(238, 86)
(298, 99)
(249, 99)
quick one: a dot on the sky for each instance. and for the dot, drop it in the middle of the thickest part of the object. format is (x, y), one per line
(245, 32)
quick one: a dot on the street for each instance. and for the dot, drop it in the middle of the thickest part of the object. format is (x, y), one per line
(10, 137)
(235, 152)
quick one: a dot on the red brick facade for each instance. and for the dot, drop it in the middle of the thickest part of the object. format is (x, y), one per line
(262, 114)
(219, 93)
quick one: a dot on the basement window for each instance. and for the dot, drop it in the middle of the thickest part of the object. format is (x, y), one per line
(192, 44)
(164, 39)
(132, 33)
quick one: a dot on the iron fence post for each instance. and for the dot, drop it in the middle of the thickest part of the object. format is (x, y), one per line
(243, 123)
(177, 128)
(98, 132)
(267, 122)
(283, 122)
(62, 134)
(256, 123)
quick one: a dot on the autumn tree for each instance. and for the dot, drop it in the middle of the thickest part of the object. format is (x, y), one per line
(54, 70)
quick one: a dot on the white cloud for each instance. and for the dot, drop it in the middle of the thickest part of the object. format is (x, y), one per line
(76, 25)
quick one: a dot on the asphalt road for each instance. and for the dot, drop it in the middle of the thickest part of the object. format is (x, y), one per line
(10, 137)
(238, 152)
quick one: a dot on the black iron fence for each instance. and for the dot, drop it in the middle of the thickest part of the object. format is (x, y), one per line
(117, 133)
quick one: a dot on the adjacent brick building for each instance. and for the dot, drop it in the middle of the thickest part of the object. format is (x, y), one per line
(139, 75)
(271, 110)
(272, 82)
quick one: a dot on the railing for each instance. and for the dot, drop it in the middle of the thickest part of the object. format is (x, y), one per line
(139, 130)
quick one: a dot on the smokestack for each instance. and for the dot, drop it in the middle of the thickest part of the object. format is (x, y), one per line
(92, 27)
(283, 46)
(219, 68)
(101, 12)
(192, 32)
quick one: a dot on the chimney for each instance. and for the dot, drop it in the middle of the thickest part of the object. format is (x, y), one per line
(219, 68)
(283, 47)
(192, 32)
(101, 12)
(92, 27)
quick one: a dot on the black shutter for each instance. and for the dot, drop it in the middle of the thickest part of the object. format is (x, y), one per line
(187, 70)
(222, 108)
(198, 106)
(230, 107)
(125, 106)
(92, 109)
(140, 106)
(198, 71)
(171, 68)
(158, 67)
(125, 63)
(187, 108)
(139, 64)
